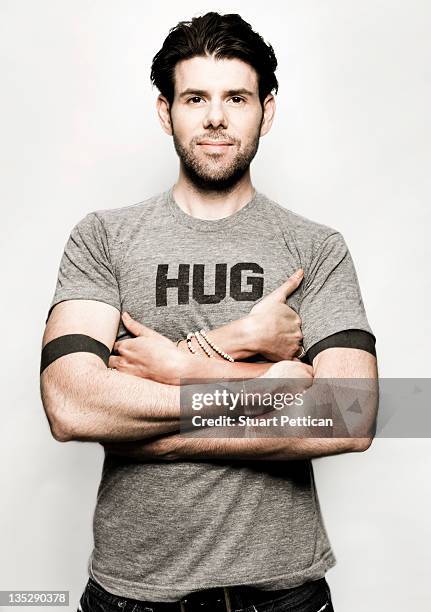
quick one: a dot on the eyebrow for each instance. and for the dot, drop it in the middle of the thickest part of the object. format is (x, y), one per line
(230, 92)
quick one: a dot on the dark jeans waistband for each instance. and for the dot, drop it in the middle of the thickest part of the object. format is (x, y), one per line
(239, 596)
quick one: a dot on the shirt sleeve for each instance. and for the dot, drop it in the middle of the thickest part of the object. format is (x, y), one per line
(331, 300)
(86, 271)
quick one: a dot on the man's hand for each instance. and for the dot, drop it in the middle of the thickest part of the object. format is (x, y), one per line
(290, 369)
(275, 327)
(148, 355)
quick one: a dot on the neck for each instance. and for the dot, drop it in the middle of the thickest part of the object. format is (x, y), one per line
(212, 204)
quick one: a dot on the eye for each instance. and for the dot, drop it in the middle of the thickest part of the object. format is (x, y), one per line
(194, 99)
(237, 99)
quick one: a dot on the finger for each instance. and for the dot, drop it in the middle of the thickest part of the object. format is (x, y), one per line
(112, 361)
(289, 286)
(135, 327)
(310, 370)
(119, 345)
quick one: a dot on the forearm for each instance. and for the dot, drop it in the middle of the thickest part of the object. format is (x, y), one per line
(188, 447)
(201, 366)
(287, 442)
(235, 338)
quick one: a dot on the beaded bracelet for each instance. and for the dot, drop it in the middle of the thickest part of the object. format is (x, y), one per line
(215, 347)
(189, 343)
(201, 344)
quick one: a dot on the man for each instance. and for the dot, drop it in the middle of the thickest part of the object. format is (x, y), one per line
(185, 522)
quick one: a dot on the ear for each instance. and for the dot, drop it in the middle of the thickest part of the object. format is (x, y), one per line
(268, 114)
(163, 108)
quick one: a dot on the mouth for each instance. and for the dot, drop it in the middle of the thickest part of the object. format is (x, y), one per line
(216, 142)
(215, 145)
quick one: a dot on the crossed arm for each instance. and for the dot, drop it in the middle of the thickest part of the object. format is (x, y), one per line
(202, 444)
(131, 415)
(84, 400)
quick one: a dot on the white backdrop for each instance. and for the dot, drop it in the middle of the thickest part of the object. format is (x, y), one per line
(350, 147)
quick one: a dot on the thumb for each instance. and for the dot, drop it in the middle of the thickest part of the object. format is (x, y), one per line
(289, 286)
(135, 327)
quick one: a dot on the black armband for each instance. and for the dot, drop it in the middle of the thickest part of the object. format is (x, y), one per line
(72, 343)
(349, 338)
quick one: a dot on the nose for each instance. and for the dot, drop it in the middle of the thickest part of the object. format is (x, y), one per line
(215, 116)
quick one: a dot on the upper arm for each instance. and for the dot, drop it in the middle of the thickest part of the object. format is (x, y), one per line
(63, 379)
(350, 375)
(86, 301)
(331, 301)
(337, 336)
(89, 317)
(341, 362)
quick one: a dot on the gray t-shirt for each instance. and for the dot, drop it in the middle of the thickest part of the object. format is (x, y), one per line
(164, 529)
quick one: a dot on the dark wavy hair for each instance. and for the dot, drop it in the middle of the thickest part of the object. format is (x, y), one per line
(222, 36)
